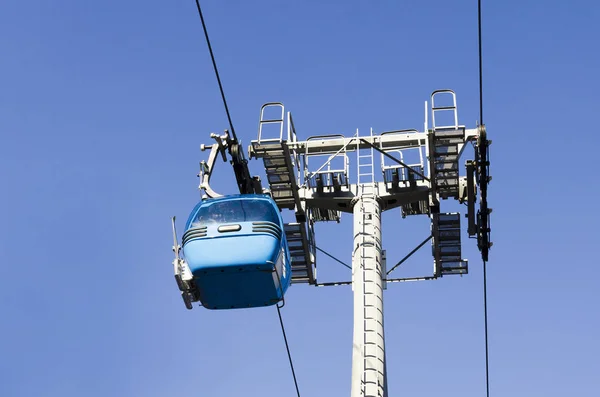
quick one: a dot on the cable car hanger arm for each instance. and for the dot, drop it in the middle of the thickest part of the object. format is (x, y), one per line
(246, 183)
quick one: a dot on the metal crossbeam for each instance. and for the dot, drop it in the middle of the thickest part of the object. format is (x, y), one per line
(395, 141)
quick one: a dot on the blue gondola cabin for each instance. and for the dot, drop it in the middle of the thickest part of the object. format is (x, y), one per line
(236, 249)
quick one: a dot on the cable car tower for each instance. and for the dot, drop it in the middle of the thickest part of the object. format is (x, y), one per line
(312, 178)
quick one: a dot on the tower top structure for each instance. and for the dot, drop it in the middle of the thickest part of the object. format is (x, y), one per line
(420, 170)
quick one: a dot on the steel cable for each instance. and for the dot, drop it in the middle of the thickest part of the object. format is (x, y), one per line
(485, 311)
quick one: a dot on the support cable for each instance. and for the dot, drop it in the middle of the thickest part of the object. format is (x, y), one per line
(212, 57)
(487, 377)
(480, 63)
(333, 257)
(485, 313)
(288, 350)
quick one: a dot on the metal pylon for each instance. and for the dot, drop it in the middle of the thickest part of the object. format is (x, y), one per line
(368, 356)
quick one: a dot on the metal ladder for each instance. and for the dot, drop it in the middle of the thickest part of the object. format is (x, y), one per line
(280, 168)
(278, 162)
(447, 245)
(300, 252)
(446, 141)
(365, 168)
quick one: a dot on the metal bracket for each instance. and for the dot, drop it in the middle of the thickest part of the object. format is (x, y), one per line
(483, 215)
(206, 168)
(246, 183)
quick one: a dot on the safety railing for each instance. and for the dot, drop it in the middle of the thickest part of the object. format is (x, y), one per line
(331, 174)
(399, 169)
(268, 121)
(444, 108)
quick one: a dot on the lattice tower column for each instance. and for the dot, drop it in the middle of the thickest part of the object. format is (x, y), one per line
(368, 355)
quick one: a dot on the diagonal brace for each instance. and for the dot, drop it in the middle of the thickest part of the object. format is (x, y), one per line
(330, 159)
(410, 254)
(334, 258)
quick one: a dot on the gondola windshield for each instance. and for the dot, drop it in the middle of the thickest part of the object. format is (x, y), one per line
(234, 211)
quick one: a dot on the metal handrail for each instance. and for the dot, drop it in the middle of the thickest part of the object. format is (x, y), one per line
(453, 107)
(419, 148)
(270, 121)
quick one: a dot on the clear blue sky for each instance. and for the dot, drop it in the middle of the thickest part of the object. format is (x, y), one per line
(103, 106)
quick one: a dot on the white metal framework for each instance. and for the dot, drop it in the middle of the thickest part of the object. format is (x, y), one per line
(419, 170)
(312, 178)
